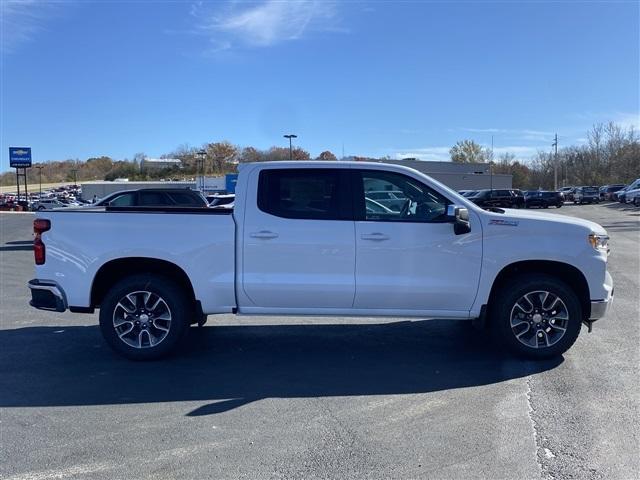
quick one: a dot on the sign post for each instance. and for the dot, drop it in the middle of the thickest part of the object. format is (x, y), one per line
(20, 158)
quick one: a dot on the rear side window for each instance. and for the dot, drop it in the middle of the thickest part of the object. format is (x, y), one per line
(303, 193)
(124, 200)
(149, 199)
(180, 198)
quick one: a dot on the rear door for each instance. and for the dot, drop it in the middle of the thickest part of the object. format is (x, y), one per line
(298, 239)
(411, 259)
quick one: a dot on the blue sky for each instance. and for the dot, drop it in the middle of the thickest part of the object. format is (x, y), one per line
(83, 79)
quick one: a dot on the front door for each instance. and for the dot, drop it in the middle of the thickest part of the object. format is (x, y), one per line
(409, 258)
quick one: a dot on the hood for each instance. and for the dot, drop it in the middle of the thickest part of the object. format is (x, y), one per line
(528, 216)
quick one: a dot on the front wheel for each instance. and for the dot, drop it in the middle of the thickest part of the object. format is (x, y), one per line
(536, 316)
(144, 317)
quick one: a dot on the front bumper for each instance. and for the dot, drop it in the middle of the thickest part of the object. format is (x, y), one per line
(599, 308)
(47, 295)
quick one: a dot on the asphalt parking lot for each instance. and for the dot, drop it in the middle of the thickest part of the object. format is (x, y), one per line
(251, 397)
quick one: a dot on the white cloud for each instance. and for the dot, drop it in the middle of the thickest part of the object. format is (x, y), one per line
(266, 24)
(522, 134)
(623, 119)
(520, 151)
(20, 21)
(441, 154)
(627, 120)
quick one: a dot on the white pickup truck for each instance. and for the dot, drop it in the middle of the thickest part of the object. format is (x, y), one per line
(304, 238)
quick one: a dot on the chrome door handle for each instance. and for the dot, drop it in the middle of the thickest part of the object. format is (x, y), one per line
(263, 234)
(374, 236)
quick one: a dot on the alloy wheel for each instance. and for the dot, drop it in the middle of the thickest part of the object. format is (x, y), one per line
(539, 319)
(142, 319)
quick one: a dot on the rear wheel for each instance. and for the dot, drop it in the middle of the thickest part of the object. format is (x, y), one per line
(536, 316)
(144, 317)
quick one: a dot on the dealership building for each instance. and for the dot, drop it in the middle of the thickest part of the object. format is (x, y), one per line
(458, 176)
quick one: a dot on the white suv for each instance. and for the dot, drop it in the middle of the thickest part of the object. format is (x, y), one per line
(49, 204)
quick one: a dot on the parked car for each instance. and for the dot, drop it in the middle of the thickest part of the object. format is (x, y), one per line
(567, 193)
(48, 204)
(633, 196)
(586, 195)
(498, 198)
(606, 192)
(544, 199)
(154, 197)
(621, 195)
(302, 242)
(519, 197)
(221, 200)
(375, 207)
(392, 199)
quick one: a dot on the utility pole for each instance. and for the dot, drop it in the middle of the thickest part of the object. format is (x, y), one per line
(40, 167)
(491, 166)
(555, 162)
(75, 178)
(290, 136)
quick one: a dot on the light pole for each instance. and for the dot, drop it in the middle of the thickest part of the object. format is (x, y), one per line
(200, 156)
(555, 163)
(290, 136)
(40, 167)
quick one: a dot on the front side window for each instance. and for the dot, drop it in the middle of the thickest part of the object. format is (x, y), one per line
(412, 200)
(302, 193)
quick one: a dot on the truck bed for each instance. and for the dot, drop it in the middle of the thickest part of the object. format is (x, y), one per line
(200, 241)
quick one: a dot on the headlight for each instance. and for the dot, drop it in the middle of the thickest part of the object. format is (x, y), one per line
(599, 242)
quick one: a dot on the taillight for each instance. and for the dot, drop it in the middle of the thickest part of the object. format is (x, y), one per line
(40, 225)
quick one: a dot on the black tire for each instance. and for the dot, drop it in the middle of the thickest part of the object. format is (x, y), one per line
(559, 205)
(40, 208)
(515, 289)
(176, 301)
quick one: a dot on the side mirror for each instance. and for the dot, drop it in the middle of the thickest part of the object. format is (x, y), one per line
(459, 216)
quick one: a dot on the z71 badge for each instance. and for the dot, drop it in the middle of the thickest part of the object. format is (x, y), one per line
(506, 223)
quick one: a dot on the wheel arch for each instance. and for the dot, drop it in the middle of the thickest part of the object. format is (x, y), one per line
(569, 274)
(115, 270)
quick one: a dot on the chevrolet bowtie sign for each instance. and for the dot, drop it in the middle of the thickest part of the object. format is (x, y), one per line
(19, 157)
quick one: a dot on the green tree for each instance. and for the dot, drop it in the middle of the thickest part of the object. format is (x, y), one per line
(327, 155)
(468, 151)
